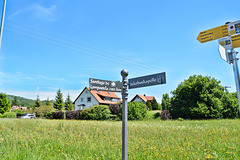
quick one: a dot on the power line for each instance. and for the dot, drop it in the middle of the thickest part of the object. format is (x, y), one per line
(76, 46)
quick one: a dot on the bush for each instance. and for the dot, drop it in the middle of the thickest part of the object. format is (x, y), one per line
(42, 111)
(77, 114)
(1, 116)
(84, 114)
(115, 109)
(49, 115)
(58, 115)
(100, 112)
(19, 112)
(70, 114)
(165, 115)
(9, 115)
(136, 110)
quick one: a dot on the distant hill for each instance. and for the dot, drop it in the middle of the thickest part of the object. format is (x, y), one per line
(24, 102)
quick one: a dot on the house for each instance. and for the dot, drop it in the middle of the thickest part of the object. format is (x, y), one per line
(142, 98)
(88, 98)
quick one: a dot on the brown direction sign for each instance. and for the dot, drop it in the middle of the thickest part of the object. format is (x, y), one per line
(214, 33)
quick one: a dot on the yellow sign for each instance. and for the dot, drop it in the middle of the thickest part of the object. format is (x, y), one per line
(212, 34)
(236, 41)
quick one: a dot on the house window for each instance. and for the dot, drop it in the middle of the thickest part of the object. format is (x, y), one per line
(81, 99)
(88, 99)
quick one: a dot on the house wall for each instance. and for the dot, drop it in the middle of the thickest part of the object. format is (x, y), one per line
(139, 99)
(84, 96)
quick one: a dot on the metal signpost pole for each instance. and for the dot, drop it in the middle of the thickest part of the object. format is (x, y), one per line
(2, 21)
(124, 74)
(236, 75)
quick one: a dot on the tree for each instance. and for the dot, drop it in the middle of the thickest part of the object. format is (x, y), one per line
(154, 104)
(58, 104)
(15, 101)
(166, 102)
(149, 105)
(4, 103)
(48, 103)
(202, 98)
(68, 103)
(37, 102)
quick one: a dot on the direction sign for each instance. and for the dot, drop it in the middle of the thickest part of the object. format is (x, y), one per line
(234, 27)
(212, 34)
(154, 79)
(235, 41)
(226, 42)
(103, 85)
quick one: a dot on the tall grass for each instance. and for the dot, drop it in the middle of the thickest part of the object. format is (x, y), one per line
(61, 139)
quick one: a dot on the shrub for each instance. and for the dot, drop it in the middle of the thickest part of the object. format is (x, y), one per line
(58, 115)
(84, 114)
(19, 112)
(77, 114)
(49, 115)
(115, 109)
(10, 115)
(70, 114)
(100, 112)
(42, 111)
(1, 116)
(136, 110)
(165, 115)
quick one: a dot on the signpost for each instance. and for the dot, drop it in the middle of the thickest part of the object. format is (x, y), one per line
(230, 39)
(212, 34)
(149, 80)
(117, 86)
(103, 85)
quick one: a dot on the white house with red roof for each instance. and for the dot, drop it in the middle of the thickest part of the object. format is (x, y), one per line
(142, 98)
(87, 98)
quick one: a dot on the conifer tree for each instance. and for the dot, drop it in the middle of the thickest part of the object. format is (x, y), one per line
(58, 104)
(154, 104)
(68, 104)
(37, 102)
(149, 105)
(48, 103)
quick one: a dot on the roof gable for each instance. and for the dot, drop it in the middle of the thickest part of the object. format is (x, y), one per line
(144, 98)
(96, 94)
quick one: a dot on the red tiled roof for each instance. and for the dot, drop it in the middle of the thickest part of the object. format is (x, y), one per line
(144, 98)
(104, 94)
(97, 95)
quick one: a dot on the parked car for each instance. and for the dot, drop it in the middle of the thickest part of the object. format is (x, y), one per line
(29, 116)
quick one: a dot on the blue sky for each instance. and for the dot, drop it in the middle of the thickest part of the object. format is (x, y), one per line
(48, 45)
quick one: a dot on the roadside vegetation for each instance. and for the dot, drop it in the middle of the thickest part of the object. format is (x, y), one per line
(153, 139)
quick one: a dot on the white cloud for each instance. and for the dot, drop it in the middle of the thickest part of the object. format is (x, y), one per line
(38, 11)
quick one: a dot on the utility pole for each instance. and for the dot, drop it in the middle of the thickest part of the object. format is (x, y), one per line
(2, 21)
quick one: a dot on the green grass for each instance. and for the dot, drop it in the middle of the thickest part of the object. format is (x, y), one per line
(153, 139)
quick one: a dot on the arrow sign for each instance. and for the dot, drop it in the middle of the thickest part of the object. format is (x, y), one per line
(226, 42)
(154, 79)
(235, 41)
(212, 34)
(103, 85)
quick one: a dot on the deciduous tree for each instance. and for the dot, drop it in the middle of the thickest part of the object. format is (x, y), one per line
(4, 103)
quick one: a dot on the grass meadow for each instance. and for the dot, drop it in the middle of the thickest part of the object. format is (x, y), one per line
(82, 140)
